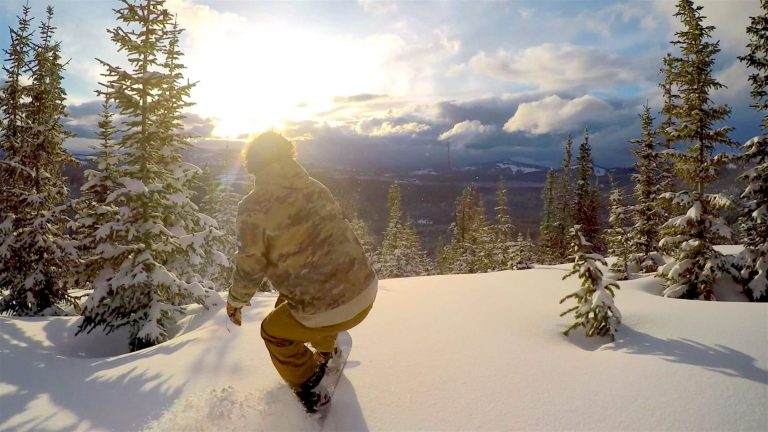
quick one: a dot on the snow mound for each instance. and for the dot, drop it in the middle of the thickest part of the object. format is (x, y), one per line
(448, 353)
(228, 409)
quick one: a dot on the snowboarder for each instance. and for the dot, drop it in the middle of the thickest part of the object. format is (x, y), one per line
(291, 231)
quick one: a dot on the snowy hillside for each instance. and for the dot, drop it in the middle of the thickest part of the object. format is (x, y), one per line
(464, 352)
(516, 167)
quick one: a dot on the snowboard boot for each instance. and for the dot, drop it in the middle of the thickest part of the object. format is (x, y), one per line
(310, 393)
(327, 357)
(323, 357)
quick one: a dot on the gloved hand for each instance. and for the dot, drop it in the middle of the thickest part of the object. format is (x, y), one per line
(235, 314)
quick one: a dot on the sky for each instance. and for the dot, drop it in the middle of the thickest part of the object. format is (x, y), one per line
(398, 82)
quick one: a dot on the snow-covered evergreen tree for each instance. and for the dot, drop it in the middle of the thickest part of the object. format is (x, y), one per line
(689, 238)
(595, 310)
(670, 101)
(696, 265)
(648, 214)
(564, 197)
(363, 233)
(619, 234)
(94, 209)
(401, 253)
(199, 258)
(147, 264)
(101, 182)
(586, 201)
(443, 258)
(548, 242)
(522, 254)
(503, 230)
(220, 202)
(665, 181)
(753, 262)
(470, 250)
(36, 254)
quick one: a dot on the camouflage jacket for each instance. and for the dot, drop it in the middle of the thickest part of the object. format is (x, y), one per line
(291, 231)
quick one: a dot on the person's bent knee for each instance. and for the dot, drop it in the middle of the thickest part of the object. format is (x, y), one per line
(265, 334)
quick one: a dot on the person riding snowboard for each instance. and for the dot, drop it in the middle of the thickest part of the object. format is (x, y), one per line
(291, 231)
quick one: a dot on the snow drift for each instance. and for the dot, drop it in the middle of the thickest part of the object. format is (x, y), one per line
(461, 352)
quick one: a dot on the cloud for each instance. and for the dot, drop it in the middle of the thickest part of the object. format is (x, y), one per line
(553, 67)
(488, 110)
(467, 132)
(83, 119)
(730, 19)
(614, 19)
(556, 115)
(386, 141)
(378, 7)
(78, 145)
(362, 97)
(394, 127)
(197, 125)
(90, 108)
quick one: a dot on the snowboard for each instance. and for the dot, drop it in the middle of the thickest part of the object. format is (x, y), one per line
(332, 375)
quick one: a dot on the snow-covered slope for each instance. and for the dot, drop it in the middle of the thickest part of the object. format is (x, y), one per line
(464, 352)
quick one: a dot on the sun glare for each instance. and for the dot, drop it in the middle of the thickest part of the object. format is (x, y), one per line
(233, 127)
(258, 77)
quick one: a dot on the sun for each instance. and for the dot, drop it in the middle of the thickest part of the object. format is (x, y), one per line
(252, 78)
(237, 127)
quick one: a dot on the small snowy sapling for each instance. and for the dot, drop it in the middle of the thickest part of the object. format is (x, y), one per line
(595, 309)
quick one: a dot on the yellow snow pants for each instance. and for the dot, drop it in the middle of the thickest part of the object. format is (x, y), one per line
(285, 338)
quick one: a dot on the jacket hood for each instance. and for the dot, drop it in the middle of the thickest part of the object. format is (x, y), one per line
(287, 173)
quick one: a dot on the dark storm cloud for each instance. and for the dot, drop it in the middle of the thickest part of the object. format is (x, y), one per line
(85, 109)
(321, 143)
(490, 110)
(83, 121)
(610, 131)
(358, 144)
(82, 130)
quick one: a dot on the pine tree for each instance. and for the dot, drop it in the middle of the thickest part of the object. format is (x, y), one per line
(757, 59)
(469, 250)
(101, 182)
(363, 233)
(148, 261)
(199, 258)
(548, 244)
(443, 256)
(401, 253)
(14, 101)
(619, 234)
(647, 213)
(563, 216)
(421, 265)
(36, 253)
(670, 100)
(586, 203)
(689, 238)
(522, 254)
(503, 230)
(754, 215)
(220, 202)
(595, 309)
(95, 208)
